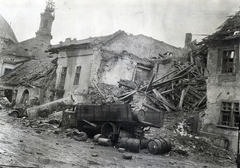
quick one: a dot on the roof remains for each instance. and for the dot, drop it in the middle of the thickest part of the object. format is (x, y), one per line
(229, 30)
(32, 73)
(93, 41)
(31, 48)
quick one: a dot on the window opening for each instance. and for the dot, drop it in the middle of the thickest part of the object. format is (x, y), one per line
(63, 78)
(228, 61)
(230, 114)
(77, 75)
(7, 70)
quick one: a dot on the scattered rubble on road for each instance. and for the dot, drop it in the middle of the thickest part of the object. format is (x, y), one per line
(184, 145)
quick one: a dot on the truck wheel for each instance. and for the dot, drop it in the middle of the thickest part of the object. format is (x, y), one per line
(109, 130)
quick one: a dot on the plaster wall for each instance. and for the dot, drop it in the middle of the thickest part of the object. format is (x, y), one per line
(71, 60)
(220, 87)
(118, 68)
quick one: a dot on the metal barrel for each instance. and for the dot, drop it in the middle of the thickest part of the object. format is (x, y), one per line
(169, 144)
(123, 143)
(130, 144)
(97, 136)
(125, 134)
(138, 115)
(159, 146)
(104, 141)
(144, 143)
(133, 145)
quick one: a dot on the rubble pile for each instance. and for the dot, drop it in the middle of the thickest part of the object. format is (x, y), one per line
(51, 124)
(189, 144)
(103, 93)
(186, 146)
(183, 88)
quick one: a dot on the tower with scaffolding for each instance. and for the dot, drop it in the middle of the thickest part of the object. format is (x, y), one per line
(47, 18)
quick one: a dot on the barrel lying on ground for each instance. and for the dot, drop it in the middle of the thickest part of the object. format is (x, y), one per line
(159, 146)
(104, 141)
(130, 144)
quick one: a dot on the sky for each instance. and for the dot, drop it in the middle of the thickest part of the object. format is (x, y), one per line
(164, 20)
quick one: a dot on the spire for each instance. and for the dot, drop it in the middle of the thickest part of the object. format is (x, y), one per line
(47, 18)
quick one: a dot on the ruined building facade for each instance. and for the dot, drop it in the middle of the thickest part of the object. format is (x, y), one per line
(221, 118)
(83, 65)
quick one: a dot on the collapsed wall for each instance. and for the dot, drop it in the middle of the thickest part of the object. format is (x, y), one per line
(112, 68)
(120, 73)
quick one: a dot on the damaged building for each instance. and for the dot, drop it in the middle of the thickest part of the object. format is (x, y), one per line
(31, 82)
(88, 69)
(86, 66)
(221, 118)
(18, 84)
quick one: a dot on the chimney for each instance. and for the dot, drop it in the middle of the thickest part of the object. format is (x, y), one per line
(188, 39)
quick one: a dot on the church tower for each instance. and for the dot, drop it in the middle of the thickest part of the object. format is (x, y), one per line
(47, 18)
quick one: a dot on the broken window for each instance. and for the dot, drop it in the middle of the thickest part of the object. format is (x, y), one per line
(7, 70)
(230, 114)
(63, 77)
(228, 61)
(77, 76)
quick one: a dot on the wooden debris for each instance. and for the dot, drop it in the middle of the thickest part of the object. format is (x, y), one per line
(183, 88)
(90, 123)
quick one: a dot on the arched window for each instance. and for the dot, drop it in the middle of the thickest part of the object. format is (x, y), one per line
(45, 25)
(25, 97)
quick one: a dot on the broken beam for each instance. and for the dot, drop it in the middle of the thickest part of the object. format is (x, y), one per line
(152, 108)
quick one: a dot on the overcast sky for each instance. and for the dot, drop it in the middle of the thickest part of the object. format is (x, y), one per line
(164, 20)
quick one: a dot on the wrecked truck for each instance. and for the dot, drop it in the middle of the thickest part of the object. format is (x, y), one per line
(113, 120)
